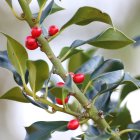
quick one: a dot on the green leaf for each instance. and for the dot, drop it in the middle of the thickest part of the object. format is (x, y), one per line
(5, 63)
(46, 11)
(67, 52)
(38, 73)
(109, 39)
(86, 15)
(17, 55)
(91, 65)
(122, 118)
(56, 8)
(41, 3)
(129, 86)
(80, 59)
(43, 130)
(15, 94)
(109, 65)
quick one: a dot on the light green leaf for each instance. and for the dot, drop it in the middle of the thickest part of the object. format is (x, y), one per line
(14, 94)
(56, 8)
(17, 55)
(67, 52)
(38, 73)
(111, 39)
(86, 15)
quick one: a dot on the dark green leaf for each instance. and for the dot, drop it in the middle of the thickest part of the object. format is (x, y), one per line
(109, 65)
(110, 39)
(129, 79)
(14, 94)
(134, 135)
(43, 130)
(122, 118)
(41, 3)
(17, 55)
(64, 51)
(56, 8)
(36, 103)
(91, 65)
(38, 73)
(46, 11)
(86, 15)
(129, 86)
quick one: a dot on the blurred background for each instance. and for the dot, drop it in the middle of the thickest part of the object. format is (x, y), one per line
(125, 15)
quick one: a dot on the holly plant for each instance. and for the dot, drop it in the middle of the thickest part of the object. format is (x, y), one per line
(90, 79)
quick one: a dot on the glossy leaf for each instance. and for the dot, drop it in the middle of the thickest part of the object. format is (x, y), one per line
(91, 65)
(15, 94)
(17, 55)
(36, 103)
(109, 39)
(38, 73)
(41, 3)
(46, 11)
(109, 65)
(86, 15)
(43, 130)
(64, 51)
(129, 79)
(129, 86)
(134, 135)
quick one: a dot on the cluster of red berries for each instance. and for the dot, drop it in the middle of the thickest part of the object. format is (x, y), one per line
(78, 79)
(31, 41)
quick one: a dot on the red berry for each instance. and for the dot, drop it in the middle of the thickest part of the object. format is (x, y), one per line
(59, 101)
(31, 43)
(36, 32)
(60, 84)
(73, 124)
(78, 78)
(53, 30)
(30, 40)
(71, 74)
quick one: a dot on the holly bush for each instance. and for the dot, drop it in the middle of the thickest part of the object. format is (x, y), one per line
(90, 79)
